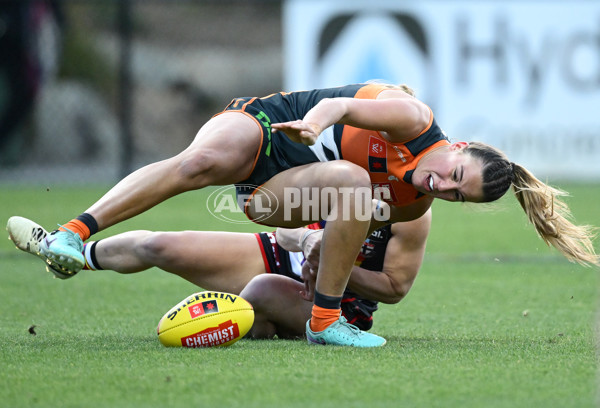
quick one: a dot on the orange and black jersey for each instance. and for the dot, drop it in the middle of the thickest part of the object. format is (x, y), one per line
(390, 165)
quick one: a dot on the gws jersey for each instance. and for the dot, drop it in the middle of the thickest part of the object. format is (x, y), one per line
(390, 165)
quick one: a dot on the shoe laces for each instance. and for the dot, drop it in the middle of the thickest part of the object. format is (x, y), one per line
(72, 238)
(350, 327)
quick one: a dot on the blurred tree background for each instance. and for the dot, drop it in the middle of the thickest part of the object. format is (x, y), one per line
(96, 89)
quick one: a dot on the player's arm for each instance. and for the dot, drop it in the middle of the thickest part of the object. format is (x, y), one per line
(402, 118)
(403, 259)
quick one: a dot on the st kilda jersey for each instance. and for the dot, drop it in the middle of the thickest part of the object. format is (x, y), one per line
(371, 256)
(390, 165)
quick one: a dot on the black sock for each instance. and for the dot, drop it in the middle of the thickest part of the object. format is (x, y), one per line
(89, 222)
(328, 302)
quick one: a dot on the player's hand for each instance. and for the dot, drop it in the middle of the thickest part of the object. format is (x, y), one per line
(299, 131)
(309, 276)
(311, 248)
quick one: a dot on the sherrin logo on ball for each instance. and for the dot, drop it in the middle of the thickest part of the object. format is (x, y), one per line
(206, 319)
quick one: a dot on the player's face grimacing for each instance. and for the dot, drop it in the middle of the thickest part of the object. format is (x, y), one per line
(450, 174)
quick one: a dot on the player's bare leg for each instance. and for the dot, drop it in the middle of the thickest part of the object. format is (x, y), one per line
(279, 309)
(223, 152)
(221, 261)
(342, 239)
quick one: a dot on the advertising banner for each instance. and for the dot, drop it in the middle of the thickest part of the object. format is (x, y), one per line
(523, 76)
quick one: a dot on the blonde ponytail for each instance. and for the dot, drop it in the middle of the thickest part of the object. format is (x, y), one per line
(549, 215)
(551, 218)
(403, 87)
(407, 89)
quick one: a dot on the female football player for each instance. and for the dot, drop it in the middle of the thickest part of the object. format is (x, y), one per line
(352, 138)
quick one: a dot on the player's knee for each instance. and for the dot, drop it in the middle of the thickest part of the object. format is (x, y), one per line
(195, 164)
(257, 292)
(346, 174)
(154, 248)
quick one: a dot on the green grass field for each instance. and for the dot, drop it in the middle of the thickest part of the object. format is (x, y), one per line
(495, 319)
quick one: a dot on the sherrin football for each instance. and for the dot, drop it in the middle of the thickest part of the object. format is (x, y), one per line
(206, 319)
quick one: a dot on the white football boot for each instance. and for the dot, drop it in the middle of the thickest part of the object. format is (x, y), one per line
(28, 236)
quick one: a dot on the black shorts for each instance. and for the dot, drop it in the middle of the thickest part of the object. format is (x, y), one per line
(356, 310)
(278, 153)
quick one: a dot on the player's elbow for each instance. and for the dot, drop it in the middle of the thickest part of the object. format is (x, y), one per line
(399, 291)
